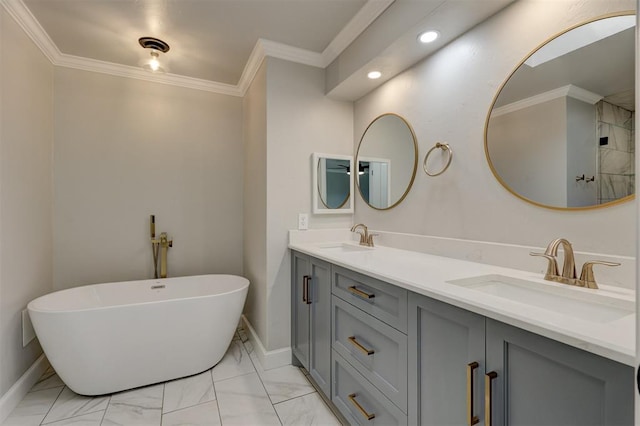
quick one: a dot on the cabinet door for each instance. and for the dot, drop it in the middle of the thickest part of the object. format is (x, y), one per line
(544, 382)
(444, 341)
(320, 324)
(300, 308)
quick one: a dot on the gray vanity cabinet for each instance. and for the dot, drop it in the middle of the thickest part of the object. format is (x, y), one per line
(543, 382)
(447, 350)
(387, 356)
(311, 317)
(533, 380)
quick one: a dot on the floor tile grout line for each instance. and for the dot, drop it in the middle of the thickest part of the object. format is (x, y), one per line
(105, 411)
(164, 389)
(296, 397)
(239, 375)
(215, 391)
(54, 403)
(72, 417)
(265, 391)
(189, 406)
(193, 405)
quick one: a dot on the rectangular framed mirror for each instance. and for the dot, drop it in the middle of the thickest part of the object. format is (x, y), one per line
(332, 186)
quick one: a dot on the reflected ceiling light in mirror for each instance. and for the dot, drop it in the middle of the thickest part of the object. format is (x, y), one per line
(155, 47)
(428, 36)
(374, 75)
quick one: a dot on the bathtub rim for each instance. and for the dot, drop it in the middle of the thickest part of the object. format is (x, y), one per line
(243, 287)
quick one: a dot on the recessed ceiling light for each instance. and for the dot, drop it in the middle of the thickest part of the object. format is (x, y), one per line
(374, 74)
(428, 36)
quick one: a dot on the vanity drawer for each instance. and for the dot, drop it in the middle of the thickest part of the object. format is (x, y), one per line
(358, 400)
(384, 301)
(376, 350)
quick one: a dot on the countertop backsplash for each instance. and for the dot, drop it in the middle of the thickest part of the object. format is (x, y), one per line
(497, 254)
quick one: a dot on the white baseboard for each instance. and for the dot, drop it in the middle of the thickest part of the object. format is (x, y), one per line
(268, 359)
(14, 395)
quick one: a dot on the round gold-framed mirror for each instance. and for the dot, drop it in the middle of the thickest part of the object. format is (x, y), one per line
(386, 161)
(559, 133)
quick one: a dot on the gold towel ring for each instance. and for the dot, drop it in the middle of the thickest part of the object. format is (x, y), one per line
(444, 147)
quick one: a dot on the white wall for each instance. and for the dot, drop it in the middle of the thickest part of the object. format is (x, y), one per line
(446, 98)
(522, 141)
(300, 121)
(125, 149)
(582, 146)
(26, 135)
(254, 125)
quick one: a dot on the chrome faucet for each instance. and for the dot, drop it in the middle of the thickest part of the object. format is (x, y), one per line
(366, 239)
(568, 276)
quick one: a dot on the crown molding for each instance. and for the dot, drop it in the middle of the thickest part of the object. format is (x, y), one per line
(30, 25)
(561, 92)
(263, 48)
(86, 64)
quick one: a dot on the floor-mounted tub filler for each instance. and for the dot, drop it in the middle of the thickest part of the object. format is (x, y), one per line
(104, 338)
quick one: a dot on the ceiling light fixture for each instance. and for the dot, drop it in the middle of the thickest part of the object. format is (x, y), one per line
(428, 36)
(374, 75)
(155, 47)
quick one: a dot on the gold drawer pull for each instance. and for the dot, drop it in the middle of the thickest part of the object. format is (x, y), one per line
(488, 378)
(361, 293)
(471, 419)
(366, 415)
(357, 344)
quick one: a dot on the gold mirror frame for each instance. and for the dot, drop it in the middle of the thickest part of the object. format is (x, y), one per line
(495, 98)
(415, 160)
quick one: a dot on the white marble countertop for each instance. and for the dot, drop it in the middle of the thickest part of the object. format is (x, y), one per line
(430, 275)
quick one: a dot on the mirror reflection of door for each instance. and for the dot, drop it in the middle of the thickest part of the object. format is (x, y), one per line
(375, 175)
(333, 182)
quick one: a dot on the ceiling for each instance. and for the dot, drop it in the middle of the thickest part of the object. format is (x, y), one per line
(210, 40)
(218, 45)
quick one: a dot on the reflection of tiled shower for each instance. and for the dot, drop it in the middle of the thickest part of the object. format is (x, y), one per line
(616, 164)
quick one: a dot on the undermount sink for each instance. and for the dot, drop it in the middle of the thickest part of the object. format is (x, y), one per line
(587, 304)
(344, 248)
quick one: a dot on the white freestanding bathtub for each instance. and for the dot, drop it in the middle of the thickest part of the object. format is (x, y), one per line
(105, 338)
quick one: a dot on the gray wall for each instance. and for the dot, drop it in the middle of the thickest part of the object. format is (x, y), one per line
(125, 149)
(446, 98)
(26, 136)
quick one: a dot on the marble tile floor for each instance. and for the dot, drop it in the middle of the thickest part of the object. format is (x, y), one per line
(237, 391)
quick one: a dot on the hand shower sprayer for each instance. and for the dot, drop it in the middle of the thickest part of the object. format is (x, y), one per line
(159, 246)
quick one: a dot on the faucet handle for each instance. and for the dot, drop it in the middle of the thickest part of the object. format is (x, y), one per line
(587, 276)
(552, 267)
(370, 239)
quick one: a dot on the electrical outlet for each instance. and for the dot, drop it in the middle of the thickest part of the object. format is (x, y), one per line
(303, 221)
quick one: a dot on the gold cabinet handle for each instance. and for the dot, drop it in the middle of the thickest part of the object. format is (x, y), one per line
(488, 378)
(471, 419)
(358, 345)
(305, 289)
(353, 289)
(352, 398)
